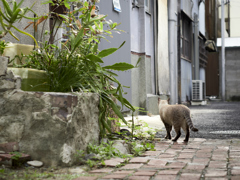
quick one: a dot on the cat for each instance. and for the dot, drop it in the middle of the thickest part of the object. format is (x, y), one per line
(177, 116)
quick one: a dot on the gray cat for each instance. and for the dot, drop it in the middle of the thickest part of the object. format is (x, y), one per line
(177, 116)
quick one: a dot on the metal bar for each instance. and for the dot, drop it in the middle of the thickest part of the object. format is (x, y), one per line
(223, 48)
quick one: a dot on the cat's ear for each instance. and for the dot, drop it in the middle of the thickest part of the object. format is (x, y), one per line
(159, 100)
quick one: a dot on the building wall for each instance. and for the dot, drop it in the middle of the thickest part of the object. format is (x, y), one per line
(190, 7)
(142, 46)
(124, 53)
(234, 19)
(232, 65)
(40, 9)
(186, 6)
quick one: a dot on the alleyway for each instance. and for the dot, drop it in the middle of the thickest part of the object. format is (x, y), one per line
(213, 152)
(217, 120)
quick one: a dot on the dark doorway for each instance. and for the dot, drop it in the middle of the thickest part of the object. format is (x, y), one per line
(212, 74)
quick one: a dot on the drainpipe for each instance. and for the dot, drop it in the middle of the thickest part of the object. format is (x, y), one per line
(172, 47)
(223, 49)
(196, 47)
(155, 47)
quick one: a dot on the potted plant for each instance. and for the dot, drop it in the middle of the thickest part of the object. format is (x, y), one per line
(78, 64)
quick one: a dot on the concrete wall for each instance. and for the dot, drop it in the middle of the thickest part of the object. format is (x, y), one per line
(234, 19)
(50, 127)
(142, 46)
(40, 9)
(186, 6)
(232, 66)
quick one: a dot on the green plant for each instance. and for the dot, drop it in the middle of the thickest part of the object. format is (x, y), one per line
(78, 64)
(137, 149)
(11, 15)
(140, 147)
(91, 163)
(3, 45)
(104, 150)
(16, 155)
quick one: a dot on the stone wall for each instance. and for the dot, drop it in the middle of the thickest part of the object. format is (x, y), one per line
(48, 126)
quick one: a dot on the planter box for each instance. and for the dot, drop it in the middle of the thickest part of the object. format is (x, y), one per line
(32, 79)
(14, 49)
(50, 127)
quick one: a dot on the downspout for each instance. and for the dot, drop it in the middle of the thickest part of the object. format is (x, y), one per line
(223, 48)
(179, 53)
(172, 39)
(216, 20)
(196, 47)
(155, 47)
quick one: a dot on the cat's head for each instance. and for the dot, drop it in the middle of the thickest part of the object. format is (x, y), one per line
(163, 102)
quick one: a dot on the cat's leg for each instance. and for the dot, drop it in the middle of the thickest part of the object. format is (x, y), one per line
(187, 134)
(168, 129)
(178, 133)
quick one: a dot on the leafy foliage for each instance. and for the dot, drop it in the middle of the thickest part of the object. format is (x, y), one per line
(3, 45)
(11, 15)
(77, 65)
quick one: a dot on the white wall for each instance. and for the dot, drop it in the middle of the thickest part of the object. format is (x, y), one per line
(202, 18)
(135, 27)
(234, 18)
(163, 62)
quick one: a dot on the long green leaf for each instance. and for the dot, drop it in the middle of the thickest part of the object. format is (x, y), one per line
(7, 7)
(125, 102)
(20, 3)
(10, 32)
(26, 34)
(122, 66)
(107, 52)
(118, 112)
(4, 17)
(122, 44)
(14, 16)
(94, 58)
(105, 125)
(78, 40)
(66, 5)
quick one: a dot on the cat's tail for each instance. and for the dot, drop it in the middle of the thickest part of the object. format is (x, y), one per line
(190, 124)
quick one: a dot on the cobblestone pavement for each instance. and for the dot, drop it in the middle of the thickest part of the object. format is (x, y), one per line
(216, 120)
(199, 159)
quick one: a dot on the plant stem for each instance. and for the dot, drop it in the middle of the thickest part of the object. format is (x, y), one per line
(132, 125)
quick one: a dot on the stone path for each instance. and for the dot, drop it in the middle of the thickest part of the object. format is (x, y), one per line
(199, 159)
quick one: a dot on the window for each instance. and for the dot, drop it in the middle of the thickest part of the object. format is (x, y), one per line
(202, 53)
(186, 37)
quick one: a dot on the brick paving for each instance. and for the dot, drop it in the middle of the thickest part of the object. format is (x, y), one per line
(199, 159)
